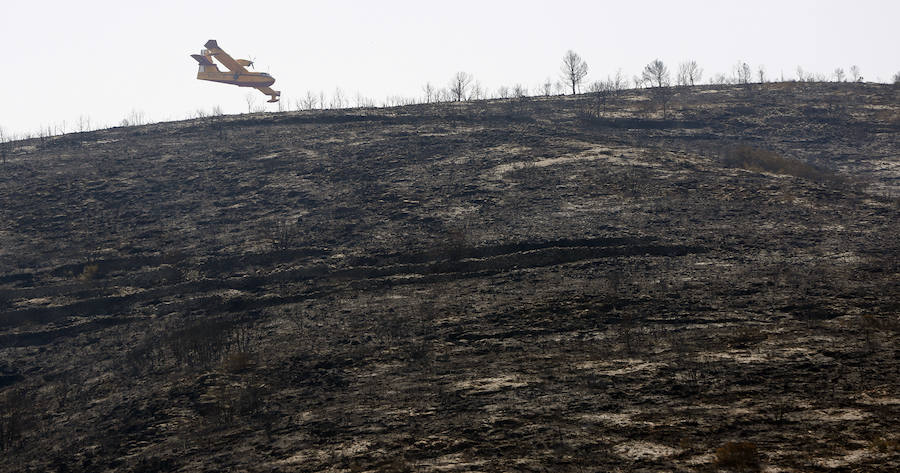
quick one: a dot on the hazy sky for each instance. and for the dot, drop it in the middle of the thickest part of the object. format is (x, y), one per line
(104, 59)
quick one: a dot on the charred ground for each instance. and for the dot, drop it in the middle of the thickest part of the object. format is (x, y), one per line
(543, 284)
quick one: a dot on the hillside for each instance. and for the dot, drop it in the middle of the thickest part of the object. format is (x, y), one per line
(514, 285)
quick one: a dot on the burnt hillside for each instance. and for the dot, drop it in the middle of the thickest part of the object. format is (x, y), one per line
(540, 284)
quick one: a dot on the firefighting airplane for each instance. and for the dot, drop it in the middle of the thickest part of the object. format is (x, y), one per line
(238, 76)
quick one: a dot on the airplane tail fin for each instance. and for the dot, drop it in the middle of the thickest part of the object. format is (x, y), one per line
(205, 63)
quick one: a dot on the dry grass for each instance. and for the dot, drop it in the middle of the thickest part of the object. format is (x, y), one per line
(762, 160)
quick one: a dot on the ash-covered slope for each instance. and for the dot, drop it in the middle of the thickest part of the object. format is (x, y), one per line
(545, 283)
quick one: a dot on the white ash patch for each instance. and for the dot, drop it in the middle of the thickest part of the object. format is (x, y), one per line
(849, 458)
(829, 415)
(618, 367)
(615, 419)
(701, 459)
(879, 401)
(642, 450)
(486, 385)
(453, 462)
(593, 154)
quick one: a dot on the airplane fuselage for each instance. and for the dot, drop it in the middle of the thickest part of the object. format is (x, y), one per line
(242, 79)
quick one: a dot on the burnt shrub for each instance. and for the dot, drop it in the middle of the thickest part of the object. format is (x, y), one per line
(226, 402)
(199, 344)
(205, 343)
(738, 455)
(238, 362)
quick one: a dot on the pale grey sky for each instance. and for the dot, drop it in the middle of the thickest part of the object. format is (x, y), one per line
(103, 59)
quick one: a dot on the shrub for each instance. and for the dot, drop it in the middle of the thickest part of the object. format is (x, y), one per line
(90, 271)
(756, 159)
(740, 455)
(883, 445)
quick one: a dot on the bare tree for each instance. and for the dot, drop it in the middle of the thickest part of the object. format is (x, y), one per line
(656, 74)
(250, 98)
(361, 101)
(742, 73)
(839, 75)
(2, 146)
(337, 101)
(574, 69)
(801, 76)
(84, 123)
(761, 73)
(547, 87)
(429, 92)
(637, 82)
(503, 92)
(681, 79)
(619, 82)
(897, 78)
(560, 87)
(720, 79)
(855, 74)
(519, 91)
(662, 96)
(603, 91)
(136, 118)
(689, 73)
(477, 91)
(459, 85)
(309, 101)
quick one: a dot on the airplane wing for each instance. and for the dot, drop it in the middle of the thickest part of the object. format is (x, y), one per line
(223, 57)
(274, 94)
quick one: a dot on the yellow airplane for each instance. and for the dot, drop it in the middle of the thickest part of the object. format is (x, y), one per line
(238, 75)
